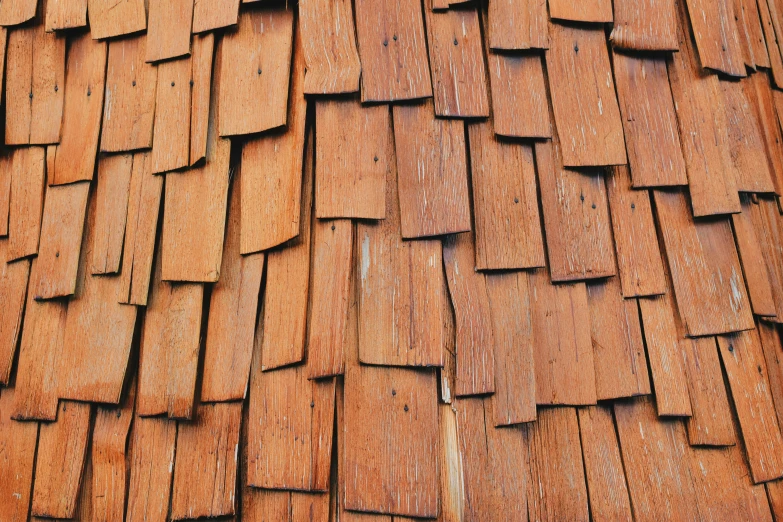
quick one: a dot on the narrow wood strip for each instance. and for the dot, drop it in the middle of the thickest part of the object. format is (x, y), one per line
(171, 139)
(766, 103)
(517, 25)
(19, 440)
(168, 29)
(772, 348)
(214, 14)
(64, 14)
(28, 180)
(645, 25)
(201, 91)
(714, 28)
(151, 466)
(111, 18)
(766, 221)
(13, 293)
(773, 49)
(754, 267)
(756, 41)
(114, 180)
(5, 191)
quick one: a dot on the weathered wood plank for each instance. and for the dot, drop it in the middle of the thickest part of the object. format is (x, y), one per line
(65, 14)
(772, 348)
(13, 293)
(110, 18)
(114, 180)
(751, 255)
(714, 27)
(773, 49)
(5, 191)
(171, 139)
(752, 21)
(151, 466)
(517, 25)
(168, 29)
(28, 181)
(214, 14)
(15, 12)
(766, 221)
(598, 11)
(645, 25)
(201, 94)
(767, 105)
(18, 441)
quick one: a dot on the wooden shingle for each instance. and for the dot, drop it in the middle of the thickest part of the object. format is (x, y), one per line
(13, 291)
(517, 25)
(19, 441)
(109, 18)
(168, 29)
(645, 25)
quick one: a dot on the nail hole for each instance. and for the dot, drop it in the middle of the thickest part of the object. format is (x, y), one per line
(259, 70)
(516, 200)
(191, 83)
(394, 392)
(456, 42)
(633, 205)
(312, 404)
(172, 84)
(31, 96)
(385, 43)
(593, 205)
(133, 83)
(394, 37)
(56, 88)
(406, 407)
(375, 158)
(56, 254)
(576, 48)
(731, 347)
(332, 227)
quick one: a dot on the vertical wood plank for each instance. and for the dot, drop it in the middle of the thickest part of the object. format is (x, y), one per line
(18, 441)
(114, 180)
(171, 139)
(151, 466)
(645, 25)
(168, 29)
(28, 180)
(214, 14)
(751, 255)
(13, 293)
(718, 43)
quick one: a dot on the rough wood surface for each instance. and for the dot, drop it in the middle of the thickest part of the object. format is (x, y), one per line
(751, 255)
(350, 176)
(115, 18)
(28, 181)
(214, 14)
(168, 29)
(645, 25)
(15, 12)
(769, 107)
(772, 348)
(65, 14)
(5, 191)
(13, 292)
(431, 171)
(114, 180)
(586, 11)
(715, 32)
(768, 26)
(201, 93)
(397, 69)
(171, 139)
(151, 465)
(518, 25)
(18, 441)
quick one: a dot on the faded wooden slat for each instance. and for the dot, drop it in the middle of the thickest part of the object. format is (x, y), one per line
(28, 180)
(752, 257)
(620, 362)
(505, 206)
(768, 106)
(493, 490)
(576, 218)
(556, 489)
(705, 269)
(330, 296)
(108, 455)
(206, 463)
(742, 34)
(701, 117)
(639, 257)
(129, 109)
(329, 38)
(290, 426)
(114, 179)
(432, 172)
(715, 31)
(392, 70)
(474, 330)
(65, 14)
(61, 240)
(201, 91)
(350, 174)
(13, 292)
(604, 471)
(168, 29)
(767, 223)
(756, 42)
(253, 84)
(35, 76)
(746, 371)
(232, 315)
(82, 109)
(171, 139)
(457, 63)
(214, 14)
(288, 284)
(62, 450)
(18, 442)
(272, 174)
(519, 101)
(656, 465)
(645, 25)
(585, 108)
(663, 353)
(14, 12)
(115, 18)
(170, 346)
(98, 332)
(151, 465)
(585, 11)
(401, 291)
(514, 400)
(773, 49)
(649, 121)
(562, 353)
(451, 469)
(773, 356)
(5, 190)
(140, 227)
(517, 24)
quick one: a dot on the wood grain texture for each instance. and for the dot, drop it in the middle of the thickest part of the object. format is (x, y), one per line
(65, 14)
(15, 12)
(649, 120)
(768, 105)
(705, 144)
(168, 29)
(767, 223)
(62, 225)
(563, 353)
(714, 28)
(62, 449)
(28, 180)
(431, 171)
(604, 471)
(110, 18)
(505, 206)
(114, 180)
(458, 73)
(769, 26)
(330, 296)
(514, 400)
(272, 173)
(151, 466)
(401, 289)
(35, 75)
(393, 70)
(518, 25)
(585, 108)
(18, 441)
(705, 269)
(576, 218)
(746, 370)
(170, 346)
(13, 293)
(214, 14)
(656, 466)
(754, 267)
(171, 139)
(140, 228)
(129, 108)
(350, 175)
(772, 348)
(588, 11)
(618, 346)
(85, 78)
(201, 93)
(556, 489)
(5, 191)
(756, 42)
(330, 51)
(639, 259)
(475, 343)
(206, 463)
(254, 85)
(233, 308)
(645, 25)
